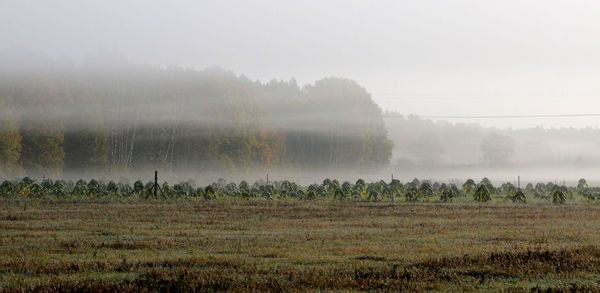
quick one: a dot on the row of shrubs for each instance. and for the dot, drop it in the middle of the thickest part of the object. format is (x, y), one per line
(414, 190)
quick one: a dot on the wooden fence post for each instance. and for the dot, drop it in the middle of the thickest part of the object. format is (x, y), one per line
(155, 183)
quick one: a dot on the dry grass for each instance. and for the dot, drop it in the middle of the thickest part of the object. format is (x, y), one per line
(238, 245)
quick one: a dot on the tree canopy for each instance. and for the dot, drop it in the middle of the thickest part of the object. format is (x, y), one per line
(129, 116)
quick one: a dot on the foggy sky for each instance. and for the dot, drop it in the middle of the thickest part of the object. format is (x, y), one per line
(457, 57)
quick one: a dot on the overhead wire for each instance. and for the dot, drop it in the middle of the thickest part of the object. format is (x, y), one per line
(500, 116)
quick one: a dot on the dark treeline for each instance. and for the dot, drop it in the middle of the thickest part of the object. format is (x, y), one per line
(122, 117)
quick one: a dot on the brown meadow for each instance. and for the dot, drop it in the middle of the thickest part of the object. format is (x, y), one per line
(293, 245)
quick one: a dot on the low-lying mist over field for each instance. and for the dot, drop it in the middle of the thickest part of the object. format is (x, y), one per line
(459, 150)
(111, 118)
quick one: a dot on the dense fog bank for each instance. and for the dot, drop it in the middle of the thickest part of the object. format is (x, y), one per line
(420, 143)
(113, 119)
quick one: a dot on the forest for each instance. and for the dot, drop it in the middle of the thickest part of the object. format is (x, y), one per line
(120, 117)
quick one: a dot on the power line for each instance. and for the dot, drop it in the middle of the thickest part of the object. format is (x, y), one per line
(503, 116)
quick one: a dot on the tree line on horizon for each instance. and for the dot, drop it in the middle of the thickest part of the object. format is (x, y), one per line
(124, 117)
(423, 143)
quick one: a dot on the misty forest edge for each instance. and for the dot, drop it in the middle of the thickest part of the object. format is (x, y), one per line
(121, 117)
(134, 117)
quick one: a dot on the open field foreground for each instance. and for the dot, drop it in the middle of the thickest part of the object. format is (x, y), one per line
(295, 245)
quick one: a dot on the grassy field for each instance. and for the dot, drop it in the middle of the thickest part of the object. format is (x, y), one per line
(293, 245)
